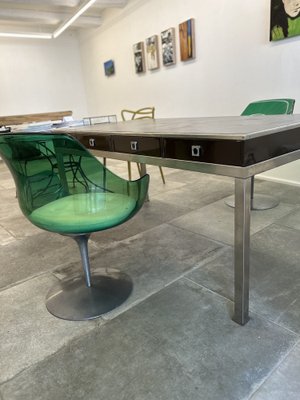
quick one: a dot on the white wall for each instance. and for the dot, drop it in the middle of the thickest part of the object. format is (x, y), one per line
(235, 62)
(41, 76)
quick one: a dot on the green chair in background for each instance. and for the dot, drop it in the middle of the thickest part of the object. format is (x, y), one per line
(43, 167)
(264, 107)
(270, 107)
(142, 113)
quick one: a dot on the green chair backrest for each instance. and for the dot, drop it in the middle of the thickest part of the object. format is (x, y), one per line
(270, 107)
(47, 167)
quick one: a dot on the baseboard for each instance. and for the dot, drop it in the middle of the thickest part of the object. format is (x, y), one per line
(278, 180)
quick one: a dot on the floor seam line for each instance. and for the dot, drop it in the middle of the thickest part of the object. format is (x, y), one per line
(274, 369)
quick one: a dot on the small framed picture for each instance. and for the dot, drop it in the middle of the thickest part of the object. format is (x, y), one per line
(168, 46)
(187, 40)
(139, 57)
(109, 68)
(152, 52)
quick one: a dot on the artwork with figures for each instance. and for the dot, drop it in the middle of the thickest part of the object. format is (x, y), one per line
(152, 52)
(285, 19)
(139, 57)
(187, 40)
(168, 46)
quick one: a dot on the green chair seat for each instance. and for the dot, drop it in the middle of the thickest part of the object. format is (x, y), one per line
(84, 212)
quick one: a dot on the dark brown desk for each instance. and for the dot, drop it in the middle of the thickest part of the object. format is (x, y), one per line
(240, 147)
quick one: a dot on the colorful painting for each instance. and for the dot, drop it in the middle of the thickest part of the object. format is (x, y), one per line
(109, 68)
(152, 52)
(139, 57)
(168, 46)
(187, 40)
(285, 19)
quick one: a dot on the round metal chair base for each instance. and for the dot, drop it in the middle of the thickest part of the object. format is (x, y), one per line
(72, 300)
(260, 202)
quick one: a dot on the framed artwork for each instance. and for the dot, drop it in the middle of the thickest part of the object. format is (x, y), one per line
(285, 19)
(187, 40)
(139, 57)
(152, 52)
(109, 68)
(168, 47)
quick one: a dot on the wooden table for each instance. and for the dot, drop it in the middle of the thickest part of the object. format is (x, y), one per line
(9, 120)
(239, 147)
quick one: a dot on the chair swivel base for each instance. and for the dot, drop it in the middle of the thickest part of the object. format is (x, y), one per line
(260, 202)
(72, 300)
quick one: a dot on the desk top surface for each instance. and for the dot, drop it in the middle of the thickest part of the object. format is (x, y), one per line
(226, 128)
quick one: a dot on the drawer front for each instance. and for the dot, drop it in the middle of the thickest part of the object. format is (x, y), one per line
(209, 151)
(96, 142)
(147, 146)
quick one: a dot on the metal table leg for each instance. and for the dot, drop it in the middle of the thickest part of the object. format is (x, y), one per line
(241, 250)
(143, 171)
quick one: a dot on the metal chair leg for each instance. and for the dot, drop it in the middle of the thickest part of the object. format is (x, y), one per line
(162, 174)
(160, 170)
(139, 168)
(85, 297)
(129, 170)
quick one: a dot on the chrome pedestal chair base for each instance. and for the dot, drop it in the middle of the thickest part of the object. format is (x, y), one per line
(259, 202)
(73, 300)
(87, 297)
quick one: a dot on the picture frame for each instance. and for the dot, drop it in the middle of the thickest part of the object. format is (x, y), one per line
(152, 52)
(109, 68)
(168, 47)
(284, 19)
(139, 57)
(187, 39)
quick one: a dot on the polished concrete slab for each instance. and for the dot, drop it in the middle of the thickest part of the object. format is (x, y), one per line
(164, 348)
(216, 221)
(275, 386)
(274, 275)
(28, 332)
(173, 339)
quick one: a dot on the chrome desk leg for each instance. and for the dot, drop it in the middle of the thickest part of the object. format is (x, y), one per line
(241, 250)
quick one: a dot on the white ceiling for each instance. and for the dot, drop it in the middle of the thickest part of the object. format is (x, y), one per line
(46, 16)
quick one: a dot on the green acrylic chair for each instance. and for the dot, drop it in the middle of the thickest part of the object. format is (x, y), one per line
(63, 188)
(264, 107)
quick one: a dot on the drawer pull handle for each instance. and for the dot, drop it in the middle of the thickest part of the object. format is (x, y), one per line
(196, 151)
(92, 142)
(134, 145)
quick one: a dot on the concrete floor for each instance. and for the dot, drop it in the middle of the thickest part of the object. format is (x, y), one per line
(174, 338)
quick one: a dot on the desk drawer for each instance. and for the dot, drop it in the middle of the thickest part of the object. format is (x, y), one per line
(96, 142)
(209, 151)
(147, 146)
